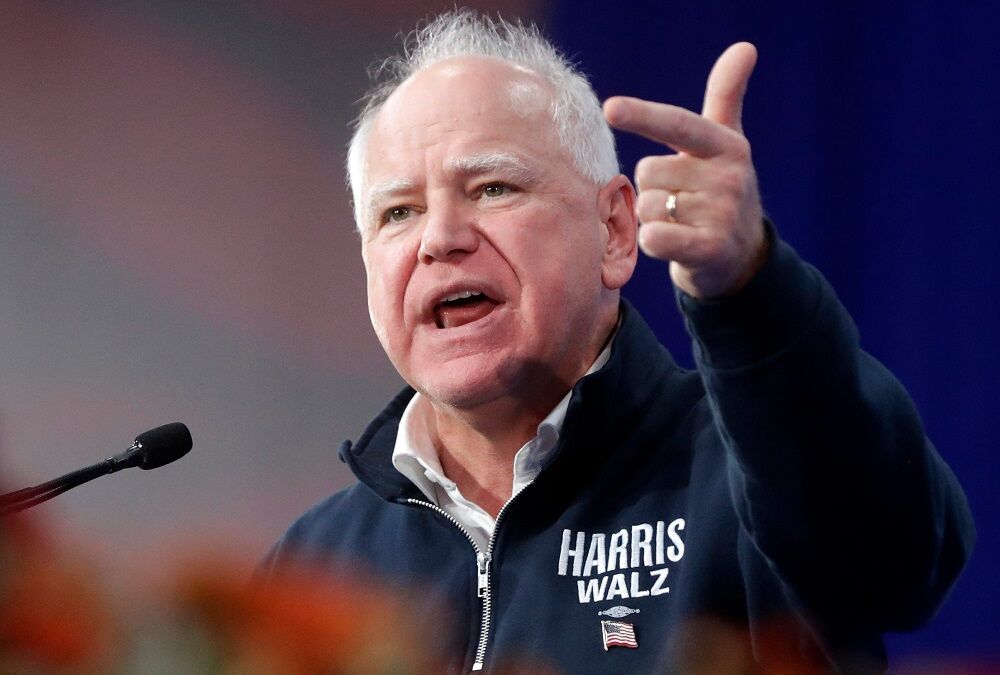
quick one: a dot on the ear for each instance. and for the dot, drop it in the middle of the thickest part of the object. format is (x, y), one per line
(616, 207)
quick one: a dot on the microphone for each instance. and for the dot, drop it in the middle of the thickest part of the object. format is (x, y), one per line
(156, 447)
(149, 450)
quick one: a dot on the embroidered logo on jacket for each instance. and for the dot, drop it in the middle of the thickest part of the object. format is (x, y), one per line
(629, 563)
(618, 611)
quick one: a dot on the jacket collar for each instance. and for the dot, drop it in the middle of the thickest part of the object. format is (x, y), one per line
(600, 402)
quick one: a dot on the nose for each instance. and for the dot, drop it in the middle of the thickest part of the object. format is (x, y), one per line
(450, 231)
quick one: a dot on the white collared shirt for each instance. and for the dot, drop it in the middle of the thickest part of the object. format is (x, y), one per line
(414, 456)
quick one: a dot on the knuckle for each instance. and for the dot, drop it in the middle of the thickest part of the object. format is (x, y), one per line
(741, 148)
(733, 180)
(647, 207)
(643, 172)
(649, 171)
(641, 204)
(650, 240)
(661, 241)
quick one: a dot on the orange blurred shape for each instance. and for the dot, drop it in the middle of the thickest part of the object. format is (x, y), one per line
(53, 614)
(299, 623)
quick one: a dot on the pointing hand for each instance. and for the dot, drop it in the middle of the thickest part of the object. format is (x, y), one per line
(700, 207)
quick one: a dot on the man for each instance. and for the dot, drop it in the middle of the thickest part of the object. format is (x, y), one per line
(553, 485)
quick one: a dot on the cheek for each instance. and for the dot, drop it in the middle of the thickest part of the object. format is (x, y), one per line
(376, 303)
(387, 276)
(564, 250)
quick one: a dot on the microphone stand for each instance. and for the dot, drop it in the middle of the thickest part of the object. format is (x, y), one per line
(19, 500)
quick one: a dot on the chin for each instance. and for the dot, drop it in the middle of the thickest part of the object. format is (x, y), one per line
(469, 383)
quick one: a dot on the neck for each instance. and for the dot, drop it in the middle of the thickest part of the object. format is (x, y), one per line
(477, 450)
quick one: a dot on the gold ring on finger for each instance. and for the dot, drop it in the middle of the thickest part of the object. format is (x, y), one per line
(672, 206)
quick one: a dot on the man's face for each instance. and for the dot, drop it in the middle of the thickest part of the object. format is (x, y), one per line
(468, 191)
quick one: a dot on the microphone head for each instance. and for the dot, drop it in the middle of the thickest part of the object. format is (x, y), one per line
(163, 445)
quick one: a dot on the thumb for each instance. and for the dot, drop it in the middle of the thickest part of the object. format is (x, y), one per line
(727, 83)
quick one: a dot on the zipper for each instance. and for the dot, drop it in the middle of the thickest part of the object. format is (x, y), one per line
(487, 596)
(483, 559)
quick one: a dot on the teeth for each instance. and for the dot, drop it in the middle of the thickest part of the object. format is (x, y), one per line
(461, 296)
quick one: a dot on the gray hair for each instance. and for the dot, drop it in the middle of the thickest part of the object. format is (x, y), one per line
(575, 108)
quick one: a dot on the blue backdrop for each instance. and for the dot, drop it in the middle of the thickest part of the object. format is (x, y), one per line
(874, 136)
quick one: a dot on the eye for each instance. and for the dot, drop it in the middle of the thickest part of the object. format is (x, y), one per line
(396, 214)
(495, 190)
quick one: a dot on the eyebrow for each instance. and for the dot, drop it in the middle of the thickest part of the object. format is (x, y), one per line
(488, 162)
(378, 192)
(480, 163)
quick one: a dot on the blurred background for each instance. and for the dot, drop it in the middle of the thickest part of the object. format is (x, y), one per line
(176, 241)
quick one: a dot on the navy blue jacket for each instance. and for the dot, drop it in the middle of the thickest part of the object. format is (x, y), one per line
(779, 508)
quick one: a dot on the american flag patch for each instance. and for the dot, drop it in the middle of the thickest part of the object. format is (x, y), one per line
(618, 634)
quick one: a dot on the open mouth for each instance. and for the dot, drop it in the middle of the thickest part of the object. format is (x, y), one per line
(462, 308)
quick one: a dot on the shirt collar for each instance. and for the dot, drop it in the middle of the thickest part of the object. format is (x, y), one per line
(415, 457)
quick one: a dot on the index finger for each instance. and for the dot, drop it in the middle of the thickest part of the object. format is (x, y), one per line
(671, 125)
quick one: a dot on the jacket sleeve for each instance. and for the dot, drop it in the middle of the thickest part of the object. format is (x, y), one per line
(831, 473)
